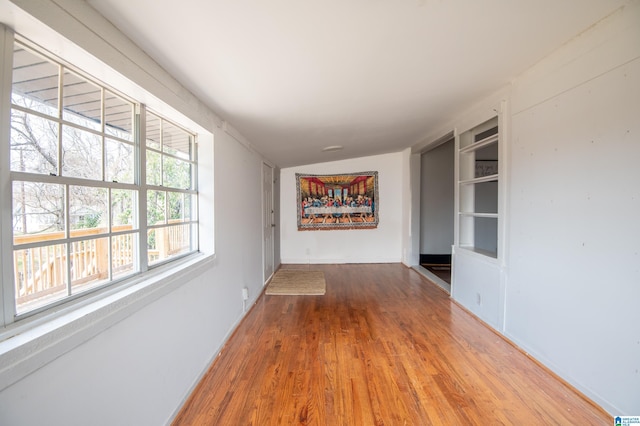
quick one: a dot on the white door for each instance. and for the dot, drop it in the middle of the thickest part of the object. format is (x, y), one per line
(268, 225)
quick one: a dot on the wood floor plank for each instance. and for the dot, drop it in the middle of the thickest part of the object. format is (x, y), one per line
(383, 346)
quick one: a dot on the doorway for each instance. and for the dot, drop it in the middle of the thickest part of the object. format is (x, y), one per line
(268, 221)
(437, 210)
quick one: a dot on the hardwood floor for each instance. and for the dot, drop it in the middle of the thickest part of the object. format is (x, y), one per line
(384, 346)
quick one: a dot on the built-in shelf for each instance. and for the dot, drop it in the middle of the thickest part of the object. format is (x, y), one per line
(473, 214)
(489, 178)
(480, 144)
(478, 183)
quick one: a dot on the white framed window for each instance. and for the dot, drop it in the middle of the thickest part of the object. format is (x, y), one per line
(172, 198)
(101, 189)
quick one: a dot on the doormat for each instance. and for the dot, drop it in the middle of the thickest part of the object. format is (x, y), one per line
(289, 282)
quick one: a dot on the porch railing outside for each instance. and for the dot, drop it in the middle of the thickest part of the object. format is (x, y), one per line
(41, 271)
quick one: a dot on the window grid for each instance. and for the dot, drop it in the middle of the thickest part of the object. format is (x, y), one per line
(87, 247)
(171, 205)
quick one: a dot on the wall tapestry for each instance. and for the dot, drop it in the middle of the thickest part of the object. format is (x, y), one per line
(342, 201)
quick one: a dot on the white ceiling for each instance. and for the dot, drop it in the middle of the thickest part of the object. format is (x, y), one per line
(376, 76)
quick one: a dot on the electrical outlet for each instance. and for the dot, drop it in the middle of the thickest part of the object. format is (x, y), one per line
(245, 293)
(308, 251)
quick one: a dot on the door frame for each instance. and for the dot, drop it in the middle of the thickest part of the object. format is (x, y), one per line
(268, 222)
(447, 138)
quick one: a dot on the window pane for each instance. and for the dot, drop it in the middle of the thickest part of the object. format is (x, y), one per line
(35, 82)
(176, 141)
(181, 207)
(177, 207)
(179, 239)
(89, 264)
(118, 117)
(40, 276)
(154, 168)
(169, 241)
(156, 207)
(88, 213)
(177, 173)
(124, 249)
(81, 154)
(38, 212)
(123, 209)
(81, 101)
(153, 131)
(120, 158)
(34, 144)
(152, 246)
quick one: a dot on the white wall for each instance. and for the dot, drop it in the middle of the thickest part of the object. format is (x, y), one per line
(383, 244)
(567, 287)
(574, 263)
(140, 370)
(436, 200)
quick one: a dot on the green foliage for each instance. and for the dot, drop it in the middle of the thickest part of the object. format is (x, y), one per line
(90, 221)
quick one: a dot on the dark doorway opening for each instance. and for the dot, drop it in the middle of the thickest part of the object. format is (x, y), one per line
(437, 208)
(438, 264)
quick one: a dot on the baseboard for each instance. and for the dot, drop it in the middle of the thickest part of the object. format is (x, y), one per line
(586, 394)
(312, 261)
(232, 330)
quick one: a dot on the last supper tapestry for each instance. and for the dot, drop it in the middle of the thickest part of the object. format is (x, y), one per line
(340, 201)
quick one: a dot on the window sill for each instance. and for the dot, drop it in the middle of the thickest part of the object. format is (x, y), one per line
(32, 343)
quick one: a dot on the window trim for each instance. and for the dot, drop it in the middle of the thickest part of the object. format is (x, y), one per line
(6, 241)
(12, 323)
